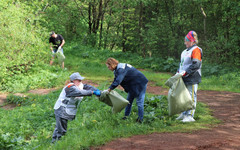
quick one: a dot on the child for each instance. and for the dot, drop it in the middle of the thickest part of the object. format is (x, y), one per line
(67, 103)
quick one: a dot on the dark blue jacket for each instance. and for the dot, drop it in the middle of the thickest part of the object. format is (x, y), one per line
(132, 80)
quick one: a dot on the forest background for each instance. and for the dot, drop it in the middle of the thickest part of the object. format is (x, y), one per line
(154, 29)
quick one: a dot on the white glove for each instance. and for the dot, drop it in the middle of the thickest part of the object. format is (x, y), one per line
(183, 73)
(105, 91)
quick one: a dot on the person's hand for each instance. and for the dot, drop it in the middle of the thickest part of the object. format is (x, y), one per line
(97, 92)
(184, 73)
(106, 91)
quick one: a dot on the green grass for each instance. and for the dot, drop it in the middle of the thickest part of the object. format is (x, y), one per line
(31, 124)
(228, 82)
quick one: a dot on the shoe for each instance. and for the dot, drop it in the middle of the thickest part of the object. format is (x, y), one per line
(180, 117)
(139, 121)
(124, 118)
(188, 118)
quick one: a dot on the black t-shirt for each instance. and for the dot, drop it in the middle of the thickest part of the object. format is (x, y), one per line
(56, 41)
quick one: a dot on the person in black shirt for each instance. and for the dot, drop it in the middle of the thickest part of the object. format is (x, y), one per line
(56, 42)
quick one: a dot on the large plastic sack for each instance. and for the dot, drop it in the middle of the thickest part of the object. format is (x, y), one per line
(115, 100)
(60, 56)
(179, 98)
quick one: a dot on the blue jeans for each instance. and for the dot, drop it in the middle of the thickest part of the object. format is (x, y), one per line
(193, 92)
(140, 103)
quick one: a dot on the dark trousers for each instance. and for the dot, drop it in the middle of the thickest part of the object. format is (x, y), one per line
(60, 129)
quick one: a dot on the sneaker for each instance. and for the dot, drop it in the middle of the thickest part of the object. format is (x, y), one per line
(124, 118)
(188, 118)
(180, 117)
(139, 121)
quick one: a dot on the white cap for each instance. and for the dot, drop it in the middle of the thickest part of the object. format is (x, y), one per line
(76, 76)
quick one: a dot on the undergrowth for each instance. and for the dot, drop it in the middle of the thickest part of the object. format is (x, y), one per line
(30, 125)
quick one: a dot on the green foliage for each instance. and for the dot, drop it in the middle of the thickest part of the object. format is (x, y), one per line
(30, 122)
(91, 63)
(156, 107)
(39, 76)
(99, 58)
(31, 125)
(9, 140)
(150, 28)
(225, 82)
(22, 45)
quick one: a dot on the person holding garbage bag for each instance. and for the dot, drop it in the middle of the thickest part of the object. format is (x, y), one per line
(133, 82)
(190, 68)
(68, 101)
(57, 41)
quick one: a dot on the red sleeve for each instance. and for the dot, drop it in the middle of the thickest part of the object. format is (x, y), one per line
(196, 54)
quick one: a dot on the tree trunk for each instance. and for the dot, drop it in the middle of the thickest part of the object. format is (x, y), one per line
(141, 42)
(100, 35)
(169, 15)
(124, 39)
(204, 24)
(106, 35)
(89, 18)
(100, 14)
(94, 11)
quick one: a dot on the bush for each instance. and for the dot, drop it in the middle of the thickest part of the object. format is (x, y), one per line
(21, 44)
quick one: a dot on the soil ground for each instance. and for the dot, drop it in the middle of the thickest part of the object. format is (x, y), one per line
(225, 136)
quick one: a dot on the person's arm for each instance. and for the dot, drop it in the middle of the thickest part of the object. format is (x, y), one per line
(119, 76)
(63, 42)
(73, 91)
(196, 61)
(89, 87)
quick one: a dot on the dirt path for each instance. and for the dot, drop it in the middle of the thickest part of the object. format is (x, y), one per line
(3, 97)
(226, 136)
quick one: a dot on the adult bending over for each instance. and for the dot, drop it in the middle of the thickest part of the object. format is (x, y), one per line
(133, 82)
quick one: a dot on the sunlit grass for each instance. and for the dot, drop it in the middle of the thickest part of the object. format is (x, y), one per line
(222, 83)
(158, 78)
